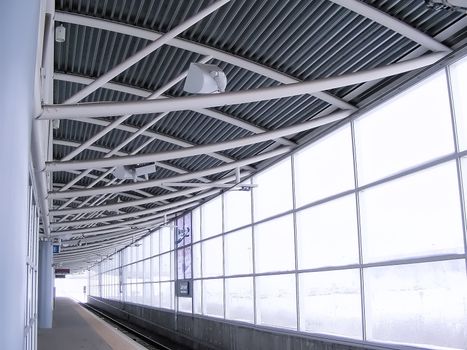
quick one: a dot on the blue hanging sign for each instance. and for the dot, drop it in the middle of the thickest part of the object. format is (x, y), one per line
(56, 248)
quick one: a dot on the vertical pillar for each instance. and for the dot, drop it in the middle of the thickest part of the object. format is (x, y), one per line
(18, 40)
(46, 281)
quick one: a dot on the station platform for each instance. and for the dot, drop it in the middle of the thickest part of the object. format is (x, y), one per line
(75, 328)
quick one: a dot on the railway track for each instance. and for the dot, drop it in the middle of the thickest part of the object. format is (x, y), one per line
(143, 338)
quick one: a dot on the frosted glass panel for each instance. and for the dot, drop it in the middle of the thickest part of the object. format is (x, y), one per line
(274, 192)
(172, 267)
(130, 274)
(417, 215)
(239, 299)
(324, 168)
(464, 177)
(418, 304)
(139, 250)
(126, 256)
(184, 305)
(167, 295)
(400, 134)
(166, 239)
(213, 298)
(238, 252)
(212, 257)
(196, 224)
(126, 276)
(324, 240)
(139, 272)
(330, 303)
(180, 263)
(138, 293)
(459, 92)
(197, 297)
(155, 269)
(126, 292)
(146, 247)
(155, 243)
(134, 254)
(165, 265)
(147, 270)
(274, 245)
(275, 301)
(237, 209)
(197, 260)
(147, 293)
(211, 218)
(156, 295)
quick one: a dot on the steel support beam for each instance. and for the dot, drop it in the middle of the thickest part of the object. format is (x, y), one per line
(157, 209)
(178, 178)
(162, 40)
(100, 178)
(120, 154)
(196, 184)
(198, 150)
(393, 23)
(158, 136)
(121, 119)
(149, 200)
(136, 224)
(445, 34)
(83, 240)
(215, 114)
(85, 110)
(198, 48)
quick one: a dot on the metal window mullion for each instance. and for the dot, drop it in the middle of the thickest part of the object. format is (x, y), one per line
(201, 258)
(413, 170)
(159, 236)
(295, 232)
(36, 272)
(192, 270)
(99, 270)
(30, 222)
(458, 160)
(253, 255)
(175, 272)
(223, 255)
(359, 229)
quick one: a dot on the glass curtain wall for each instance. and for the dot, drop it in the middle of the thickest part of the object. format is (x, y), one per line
(30, 317)
(360, 235)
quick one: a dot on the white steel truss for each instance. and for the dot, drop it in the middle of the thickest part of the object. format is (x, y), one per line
(100, 233)
(74, 111)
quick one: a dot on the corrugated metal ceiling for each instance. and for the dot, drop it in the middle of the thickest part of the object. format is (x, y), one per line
(306, 40)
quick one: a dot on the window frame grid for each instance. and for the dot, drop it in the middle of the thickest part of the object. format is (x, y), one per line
(455, 156)
(455, 135)
(359, 230)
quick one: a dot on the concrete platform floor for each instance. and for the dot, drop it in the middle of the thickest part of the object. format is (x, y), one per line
(75, 328)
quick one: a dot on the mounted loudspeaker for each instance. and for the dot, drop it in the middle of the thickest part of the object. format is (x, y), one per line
(205, 79)
(452, 5)
(60, 34)
(127, 172)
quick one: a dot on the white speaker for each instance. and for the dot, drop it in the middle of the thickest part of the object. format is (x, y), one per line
(60, 33)
(205, 79)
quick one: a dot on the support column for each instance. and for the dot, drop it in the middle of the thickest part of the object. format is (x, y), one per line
(18, 39)
(46, 285)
